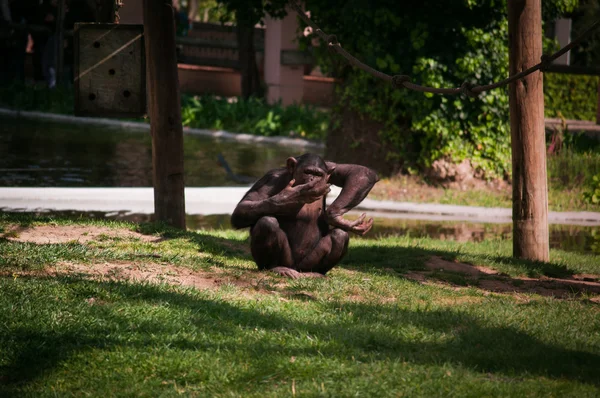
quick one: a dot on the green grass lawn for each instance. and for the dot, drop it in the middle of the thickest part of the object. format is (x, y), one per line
(367, 330)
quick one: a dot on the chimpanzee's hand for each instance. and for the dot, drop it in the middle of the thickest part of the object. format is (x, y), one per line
(303, 193)
(359, 226)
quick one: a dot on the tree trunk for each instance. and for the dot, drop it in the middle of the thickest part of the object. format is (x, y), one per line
(526, 99)
(164, 109)
(247, 57)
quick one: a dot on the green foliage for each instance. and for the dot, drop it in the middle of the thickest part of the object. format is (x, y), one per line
(251, 11)
(215, 11)
(254, 116)
(593, 194)
(466, 42)
(572, 96)
(551, 9)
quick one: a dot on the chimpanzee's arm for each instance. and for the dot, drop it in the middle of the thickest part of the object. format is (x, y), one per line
(276, 194)
(258, 202)
(356, 182)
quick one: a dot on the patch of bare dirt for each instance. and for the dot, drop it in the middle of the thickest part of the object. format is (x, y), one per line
(251, 283)
(147, 273)
(150, 273)
(124, 270)
(438, 264)
(490, 280)
(46, 234)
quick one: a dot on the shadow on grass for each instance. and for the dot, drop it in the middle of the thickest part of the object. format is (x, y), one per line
(411, 262)
(239, 249)
(34, 348)
(401, 259)
(379, 256)
(414, 258)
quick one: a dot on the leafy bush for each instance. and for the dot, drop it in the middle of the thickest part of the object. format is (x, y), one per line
(466, 42)
(254, 116)
(592, 195)
(573, 96)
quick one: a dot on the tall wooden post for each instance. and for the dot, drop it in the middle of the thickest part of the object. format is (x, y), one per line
(526, 99)
(165, 112)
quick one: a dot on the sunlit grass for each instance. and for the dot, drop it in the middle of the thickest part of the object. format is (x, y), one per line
(366, 330)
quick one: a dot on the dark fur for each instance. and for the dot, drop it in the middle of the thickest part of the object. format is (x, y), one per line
(298, 236)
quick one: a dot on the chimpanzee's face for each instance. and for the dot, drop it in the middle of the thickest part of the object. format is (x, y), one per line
(308, 168)
(304, 174)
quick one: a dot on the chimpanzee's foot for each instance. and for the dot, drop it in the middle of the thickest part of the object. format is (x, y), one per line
(293, 274)
(287, 272)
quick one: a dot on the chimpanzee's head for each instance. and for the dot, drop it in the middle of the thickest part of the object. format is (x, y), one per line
(307, 168)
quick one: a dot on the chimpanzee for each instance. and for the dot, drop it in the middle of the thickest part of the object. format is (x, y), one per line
(292, 233)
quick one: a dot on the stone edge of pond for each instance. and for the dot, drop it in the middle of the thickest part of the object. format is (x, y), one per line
(220, 134)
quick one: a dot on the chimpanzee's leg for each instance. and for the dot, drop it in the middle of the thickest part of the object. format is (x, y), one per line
(327, 253)
(271, 249)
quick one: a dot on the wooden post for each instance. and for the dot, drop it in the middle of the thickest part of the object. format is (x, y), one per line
(165, 112)
(59, 47)
(526, 99)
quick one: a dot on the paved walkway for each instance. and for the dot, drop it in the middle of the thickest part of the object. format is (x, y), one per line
(222, 200)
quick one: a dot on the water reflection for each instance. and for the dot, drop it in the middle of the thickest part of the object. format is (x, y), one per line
(43, 154)
(564, 237)
(582, 239)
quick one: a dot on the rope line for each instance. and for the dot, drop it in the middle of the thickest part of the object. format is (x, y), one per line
(404, 81)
